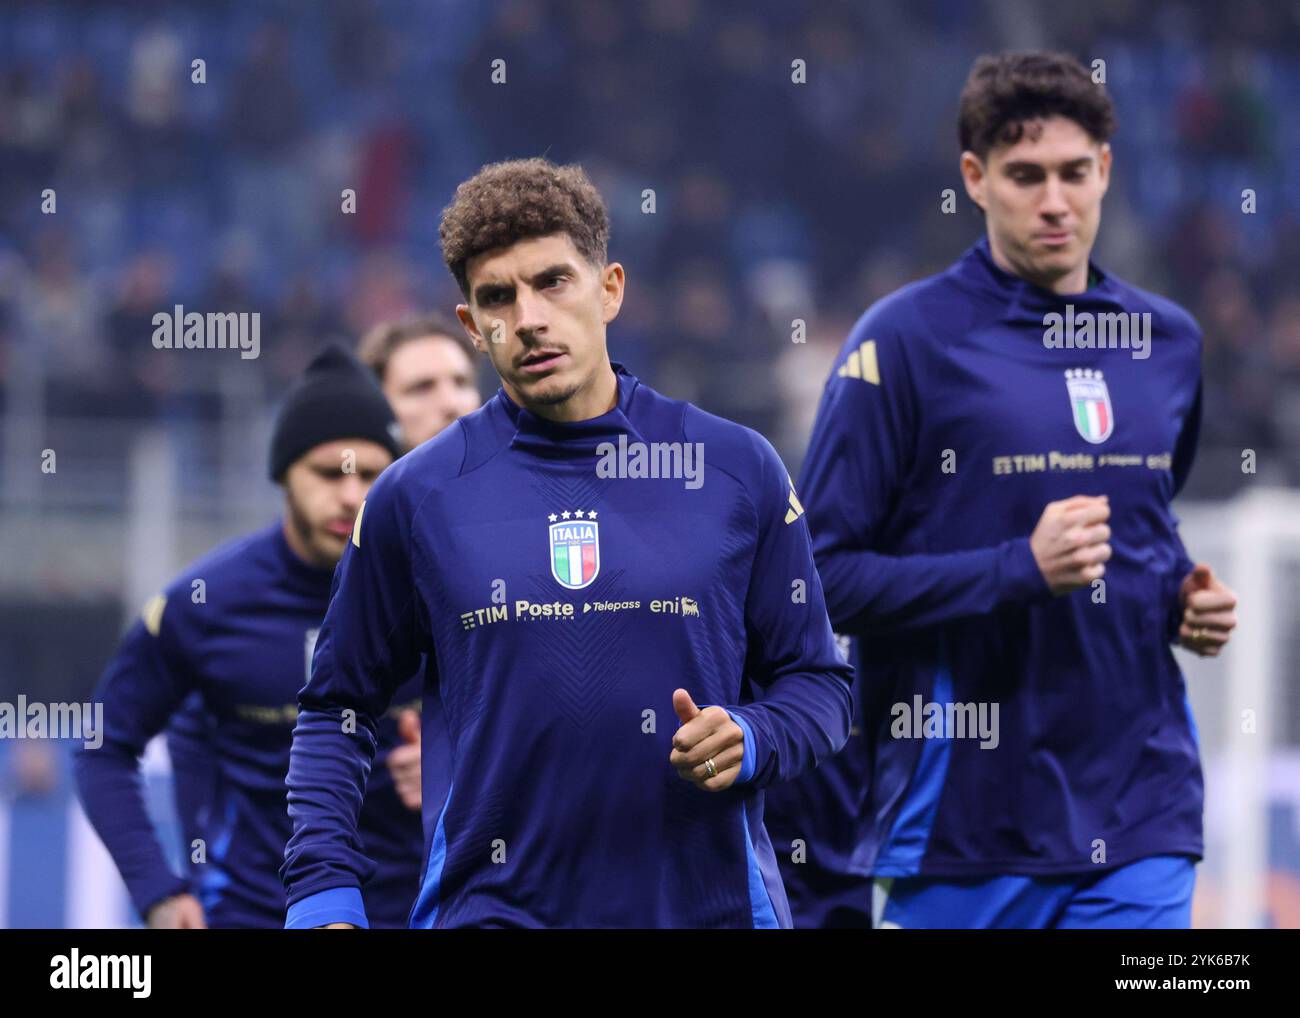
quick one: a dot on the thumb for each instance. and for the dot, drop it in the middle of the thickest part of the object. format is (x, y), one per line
(408, 727)
(684, 706)
(1202, 577)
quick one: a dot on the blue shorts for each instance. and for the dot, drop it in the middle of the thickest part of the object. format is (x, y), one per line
(1152, 893)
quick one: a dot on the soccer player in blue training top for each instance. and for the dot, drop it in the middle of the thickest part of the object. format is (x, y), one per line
(988, 486)
(237, 628)
(573, 595)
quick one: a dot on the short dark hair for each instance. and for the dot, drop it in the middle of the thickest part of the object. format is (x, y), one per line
(510, 201)
(379, 344)
(1006, 90)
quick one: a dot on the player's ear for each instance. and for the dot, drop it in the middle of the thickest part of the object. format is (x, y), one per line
(1104, 159)
(611, 297)
(974, 174)
(467, 320)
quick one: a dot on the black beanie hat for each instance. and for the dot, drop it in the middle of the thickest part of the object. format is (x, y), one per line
(335, 398)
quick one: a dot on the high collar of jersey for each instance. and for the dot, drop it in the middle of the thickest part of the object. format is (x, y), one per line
(303, 574)
(564, 439)
(1025, 300)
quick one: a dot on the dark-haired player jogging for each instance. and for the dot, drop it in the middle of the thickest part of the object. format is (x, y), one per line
(597, 632)
(988, 486)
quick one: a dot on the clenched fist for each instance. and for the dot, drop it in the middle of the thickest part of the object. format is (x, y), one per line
(1209, 612)
(1070, 542)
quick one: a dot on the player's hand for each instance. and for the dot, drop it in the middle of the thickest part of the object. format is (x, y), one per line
(1070, 542)
(708, 734)
(179, 912)
(404, 760)
(1209, 612)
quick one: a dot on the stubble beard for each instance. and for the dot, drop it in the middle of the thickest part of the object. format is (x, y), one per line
(317, 542)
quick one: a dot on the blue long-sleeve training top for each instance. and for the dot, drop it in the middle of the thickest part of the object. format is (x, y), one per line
(231, 639)
(560, 608)
(1008, 730)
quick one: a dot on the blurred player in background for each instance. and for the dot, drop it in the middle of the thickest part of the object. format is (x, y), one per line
(427, 368)
(238, 629)
(567, 614)
(989, 484)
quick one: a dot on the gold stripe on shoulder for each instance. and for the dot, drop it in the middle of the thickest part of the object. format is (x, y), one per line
(794, 510)
(862, 364)
(152, 612)
(356, 526)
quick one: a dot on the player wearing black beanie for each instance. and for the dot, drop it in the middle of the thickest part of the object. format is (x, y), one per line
(336, 398)
(222, 672)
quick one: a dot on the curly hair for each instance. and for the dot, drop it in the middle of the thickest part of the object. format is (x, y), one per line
(509, 201)
(1005, 91)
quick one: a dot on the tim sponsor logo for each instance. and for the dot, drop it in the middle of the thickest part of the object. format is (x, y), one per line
(75, 971)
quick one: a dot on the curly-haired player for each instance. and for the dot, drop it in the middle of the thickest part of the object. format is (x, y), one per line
(574, 600)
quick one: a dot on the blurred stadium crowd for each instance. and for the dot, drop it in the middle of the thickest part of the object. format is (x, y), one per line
(772, 201)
